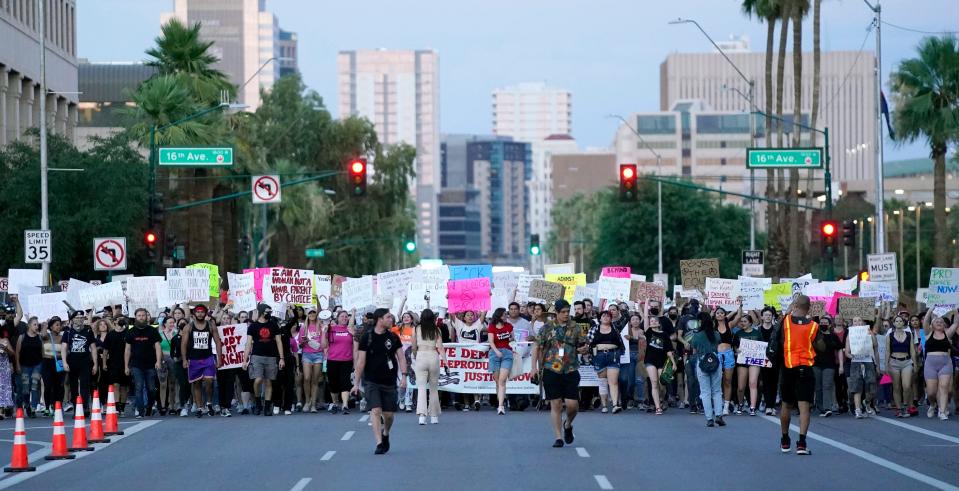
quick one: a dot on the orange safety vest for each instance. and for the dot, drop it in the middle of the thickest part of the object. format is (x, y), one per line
(798, 343)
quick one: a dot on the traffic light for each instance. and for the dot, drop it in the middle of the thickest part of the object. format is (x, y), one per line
(627, 182)
(849, 233)
(357, 171)
(864, 275)
(150, 241)
(410, 246)
(534, 245)
(827, 233)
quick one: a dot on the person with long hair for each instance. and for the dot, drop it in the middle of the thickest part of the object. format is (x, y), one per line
(900, 363)
(310, 340)
(469, 330)
(938, 371)
(29, 364)
(427, 353)
(53, 374)
(607, 346)
(824, 368)
(747, 375)
(338, 344)
(770, 373)
(658, 349)
(705, 347)
(842, 363)
(499, 335)
(631, 383)
(862, 372)
(406, 332)
(724, 327)
(166, 375)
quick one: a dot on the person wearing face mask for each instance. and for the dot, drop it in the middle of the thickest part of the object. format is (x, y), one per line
(689, 324)
(199, 338)
(264, 345)
(78, 350)
(769, 374)
(900, 363)
(142, 358)
(52, 375)
(824, 368)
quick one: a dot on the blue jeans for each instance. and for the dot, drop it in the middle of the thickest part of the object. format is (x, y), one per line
(144, 385)
(711, 392)
(30, 385)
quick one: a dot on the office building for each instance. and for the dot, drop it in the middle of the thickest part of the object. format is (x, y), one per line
(288, 53)
(246, 39)
(106, 92)
(582, 173)
(460, 228)
(398, 91)
(20, 67)
(848, 97)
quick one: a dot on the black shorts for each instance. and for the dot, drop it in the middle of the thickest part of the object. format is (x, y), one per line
(561, 386)
(798, 384)
(338, 375)
(380, 396)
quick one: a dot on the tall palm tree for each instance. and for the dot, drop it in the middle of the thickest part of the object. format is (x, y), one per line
(179, 51)
(797, 234)
(926, 99)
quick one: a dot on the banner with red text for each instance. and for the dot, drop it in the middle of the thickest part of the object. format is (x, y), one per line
(469, 372)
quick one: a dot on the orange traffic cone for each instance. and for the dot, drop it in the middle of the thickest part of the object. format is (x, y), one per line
(112, 424)
(80, 429)
(18, 460)
(96, 421)
(60, 451)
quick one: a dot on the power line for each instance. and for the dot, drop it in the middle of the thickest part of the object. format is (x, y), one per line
(919, 31)
(845, 79)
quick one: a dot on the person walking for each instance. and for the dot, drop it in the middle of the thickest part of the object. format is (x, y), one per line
(938, 369)
(607, 346)
(338, 346)
(427, 353)
(263, 347)
(377, 369)
(824, 368)
(556, 366)
(310, 341)
(29, 364)
(499, 335)
(199, 338)
(709, 372)
(900, 363)
(78, 350)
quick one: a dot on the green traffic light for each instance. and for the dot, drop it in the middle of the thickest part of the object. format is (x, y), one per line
(410, 246)
(534, 250)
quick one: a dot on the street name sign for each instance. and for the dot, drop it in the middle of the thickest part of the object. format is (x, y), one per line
(784, 158)
(196, 157)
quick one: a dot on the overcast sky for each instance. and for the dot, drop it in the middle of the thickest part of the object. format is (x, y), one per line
(607, 52)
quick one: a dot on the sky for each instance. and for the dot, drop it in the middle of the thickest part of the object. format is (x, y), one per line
(606, 52)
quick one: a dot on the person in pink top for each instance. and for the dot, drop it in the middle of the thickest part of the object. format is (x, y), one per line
(310, 342)
(338, 346)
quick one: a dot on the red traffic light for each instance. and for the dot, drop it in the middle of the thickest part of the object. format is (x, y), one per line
(357, 167)
(829, 229)
(150, 238)
(628, 172)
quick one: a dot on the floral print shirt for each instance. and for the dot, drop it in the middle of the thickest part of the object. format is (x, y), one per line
(558, 344)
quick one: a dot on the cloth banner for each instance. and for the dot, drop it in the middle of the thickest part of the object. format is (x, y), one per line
(468, 366)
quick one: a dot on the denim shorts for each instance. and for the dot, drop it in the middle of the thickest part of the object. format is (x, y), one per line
(606, 359)
(313, 358)
(505, 363)
(727, 359)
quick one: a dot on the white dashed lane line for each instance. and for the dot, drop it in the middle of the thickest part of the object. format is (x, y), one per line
(301, 484)
(603, 482)
(582, 452)
(348, 435)
(328, 455)
(364, 418)
(917, 429)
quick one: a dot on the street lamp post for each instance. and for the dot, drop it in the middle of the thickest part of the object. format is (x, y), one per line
(44, 188)
(659, 187)
(880, 184)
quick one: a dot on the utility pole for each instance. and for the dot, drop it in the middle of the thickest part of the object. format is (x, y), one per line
(880, 239)
(44, 190)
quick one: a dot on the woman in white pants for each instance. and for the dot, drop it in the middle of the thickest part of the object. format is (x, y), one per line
(427, 351)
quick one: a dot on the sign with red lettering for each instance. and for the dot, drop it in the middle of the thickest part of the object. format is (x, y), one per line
(233, 339)
(466, 371)
(290, 286)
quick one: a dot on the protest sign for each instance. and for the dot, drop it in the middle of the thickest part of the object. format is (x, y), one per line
(545, 292)
(695, 271)
(323, 290)
(642, 291)
(291, 286)
(233, 339)
(522, 286)
(617, 271)
(142, 294)
(565, 268)
(105, 295)
(214, 272)
(506, 279)
(468, 366)
(501, 297)
(569, 282)
(358, 293)
(943, 287)
(722, 292)
(416, 297)
(752, 353)
(612, 288)
(23, 277)
(46, 305)
(851, 307)
(801, 284)
(637, 277)
(259, 274)
(336, 289)
(922, 295)
(188, 284)
(394, 283)
(469, 295)
(832, 306)
(436, 280)
(468, 272)
(771, 296)
(860, 342)
(585, 292)
(73, 291)
(751, 290)
(817, 308)
(882, 347)
(881, 291)
(242, 292)
(662, 279)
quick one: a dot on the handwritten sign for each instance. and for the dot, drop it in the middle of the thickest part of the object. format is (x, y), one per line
(394, 283)
(358, 293)
(101, 296)
(46, 305)
(752, 353)
(291, 286)
(587, 292)
(214, 272)
(471, 271)
(242, 292)
(501, 297)
(569, 282)
(722, 292)
(188, 285)
(695, 271)
(505, 279)
(142, 293)
(860, 342)
(751, 290)
(469, 295)
(233, 338)
(522, 286)
(817, 308)
(259, 274)
(545, 292)
(564, 268)
(772, 295)
(617, 271)
(851, 307)
(611, 288)
(943, 287)
(880, 290)
(642, 291)
(323, 290)
(416, 297)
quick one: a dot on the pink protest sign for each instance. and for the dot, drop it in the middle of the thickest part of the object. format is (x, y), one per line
(833, 305)
(617, 271)
(472, 294)
(258, 275)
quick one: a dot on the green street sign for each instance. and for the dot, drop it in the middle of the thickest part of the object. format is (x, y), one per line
(196, 157)
(315, 253)
(784, 158)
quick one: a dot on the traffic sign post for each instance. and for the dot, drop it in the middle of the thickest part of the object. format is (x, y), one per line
(266, 189)
(110, 254)
(196, 157)
(37, 246)
(754, 263)
(784, 158)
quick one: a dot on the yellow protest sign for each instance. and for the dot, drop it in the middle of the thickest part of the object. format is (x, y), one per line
(569, 282)
(771, 296)
(214, 271)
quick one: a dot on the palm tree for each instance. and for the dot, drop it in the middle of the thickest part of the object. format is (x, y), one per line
(179, 51)
(926, 99)
(796, 235)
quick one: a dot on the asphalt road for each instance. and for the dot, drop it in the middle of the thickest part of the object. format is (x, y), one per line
(473, 450)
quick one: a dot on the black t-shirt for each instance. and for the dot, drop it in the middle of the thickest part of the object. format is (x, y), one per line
(78, 343)
(286, 334)
(31, 350)
(115, 344)
(263, 336)
(657, 347)
(142, 343)
(381, 364)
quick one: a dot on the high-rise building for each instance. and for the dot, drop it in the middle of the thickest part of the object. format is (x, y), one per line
(542, 116)
(847, 103)
(20, 67)
(288, 46)
(246, 39)
(398, 91)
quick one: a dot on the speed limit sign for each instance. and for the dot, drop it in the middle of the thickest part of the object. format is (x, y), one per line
(37, 246)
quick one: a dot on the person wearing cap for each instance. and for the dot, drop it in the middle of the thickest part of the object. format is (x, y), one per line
(377, 369)
(78, 350)
(338, 343)
(310, 340)
(556, 366)
(263, 347)
(199, 337)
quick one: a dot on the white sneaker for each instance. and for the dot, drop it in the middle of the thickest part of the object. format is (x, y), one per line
(604, 410)
(276, 411)
(870, 411)
(287, 412)
(185, 411)
(725, 408)
(434, 420)
(859, 413)
(501, 410)
(931, 411)
(422, 420)
(402, 407)
(943, 416)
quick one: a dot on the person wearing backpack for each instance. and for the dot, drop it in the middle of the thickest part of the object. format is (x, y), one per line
(705, 344)
(377, 369)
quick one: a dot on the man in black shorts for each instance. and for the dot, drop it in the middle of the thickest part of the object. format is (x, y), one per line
(555, 356)
(378, 364)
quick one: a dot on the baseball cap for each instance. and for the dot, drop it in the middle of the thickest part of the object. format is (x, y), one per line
(560, 305)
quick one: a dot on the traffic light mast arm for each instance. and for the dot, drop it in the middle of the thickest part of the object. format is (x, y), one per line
(240, 194)
(689, 185)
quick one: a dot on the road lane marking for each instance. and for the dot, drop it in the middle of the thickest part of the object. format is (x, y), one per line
(917, 429)
(582, 452)
(301, 484)
(328, 455)
(347, 435)
(603, 482)
(364, 418)
(19, 478)
(875, 459)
